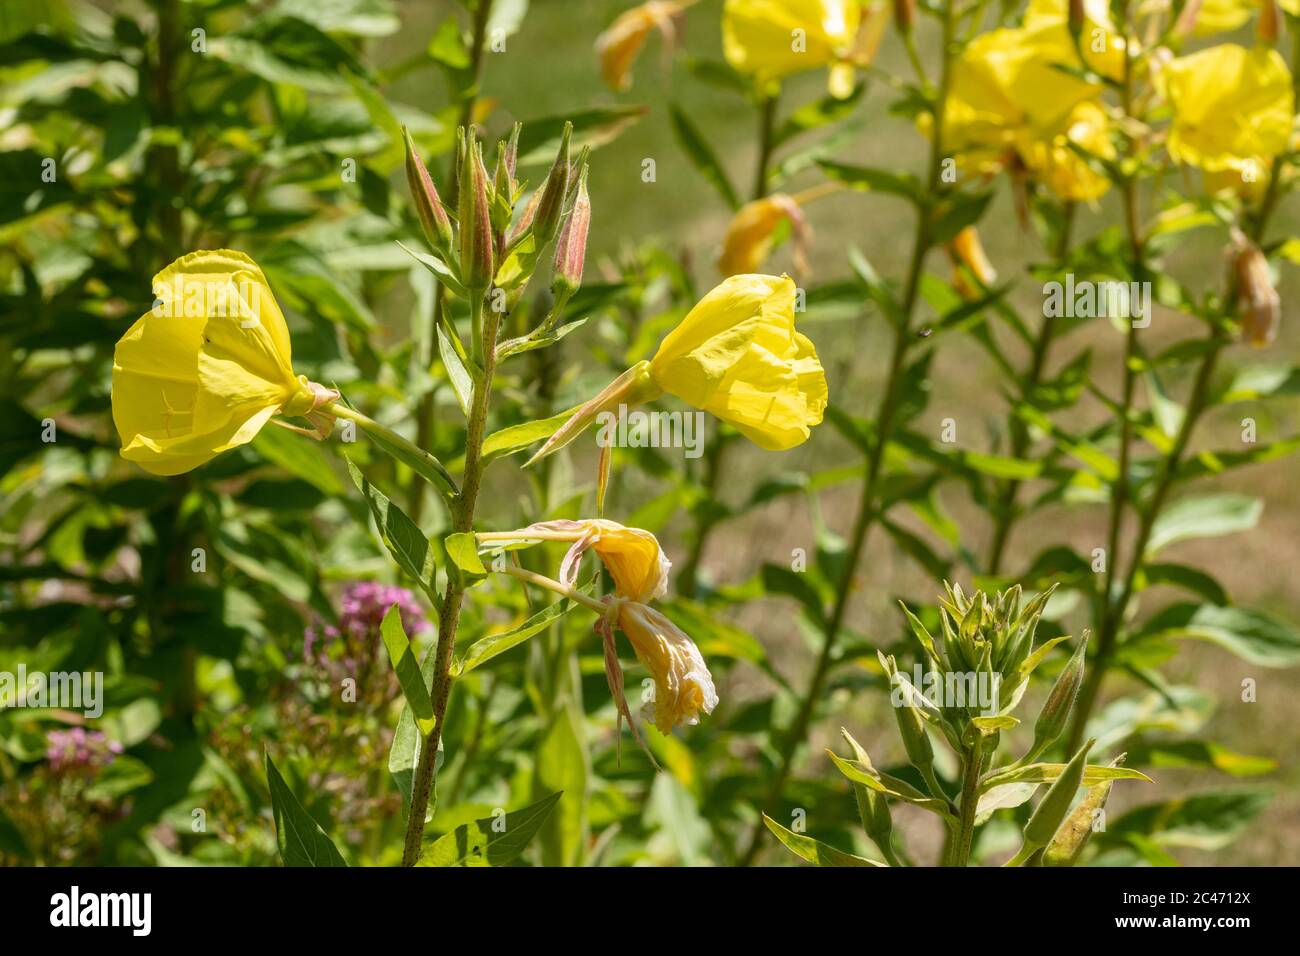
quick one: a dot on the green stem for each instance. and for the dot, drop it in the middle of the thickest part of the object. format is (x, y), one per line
(1113, 618)
(447, 485)
(449, 615)
(1005, 509)
(969, 803)
(425, 416)
(867, 504)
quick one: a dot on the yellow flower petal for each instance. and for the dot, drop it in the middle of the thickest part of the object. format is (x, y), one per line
(206, 368)
(617, 47)
(771, 39)
(1230, 105)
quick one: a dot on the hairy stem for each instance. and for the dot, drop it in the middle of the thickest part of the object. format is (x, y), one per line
(969, 802)
(449, 616)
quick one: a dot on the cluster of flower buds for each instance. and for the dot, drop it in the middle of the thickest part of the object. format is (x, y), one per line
(79, 749)
(488, 245)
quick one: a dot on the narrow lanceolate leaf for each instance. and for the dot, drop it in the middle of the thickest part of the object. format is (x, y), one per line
(814, 851)
(462, 383)
(403, 538)
(407, 667)
(302, 841)
(515, 438)
(486, 648)
(490, 841)
(701, 155)
(1093, 774)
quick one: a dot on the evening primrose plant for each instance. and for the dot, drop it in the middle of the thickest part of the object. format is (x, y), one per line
(966, 685)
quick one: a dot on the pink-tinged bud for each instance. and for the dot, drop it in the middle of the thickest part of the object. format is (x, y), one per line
(1187, 19)
(477, 245)
(512, 152)
(571, 248)
(1259, 307)
(905, 15)
(1270, 19)
(551, 206)
(1075, 16)
(428, 205)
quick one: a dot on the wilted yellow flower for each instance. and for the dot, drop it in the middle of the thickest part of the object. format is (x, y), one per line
(207, 367)
(967, 250)
(1231, 105)
(633, 556)
(736, 355)
(771, 39)
(683, 685)
(619, 45)
(753, 229)
(1259, 307)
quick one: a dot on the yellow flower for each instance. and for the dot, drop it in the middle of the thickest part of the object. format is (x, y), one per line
(1051, 159)
(618, 46)
(207, 367)
(735, 355)
(683, 685)
(1010, 98)
(1230, 105)
(750, 235)
(771, 39)
(633, 556)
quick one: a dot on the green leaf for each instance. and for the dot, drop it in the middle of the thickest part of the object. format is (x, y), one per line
(563, 764)
(403, 538)
(491, 841)
(441, 271)
(1252, 635)
(462, 549)
(404, 754)
(1190, 579)
(486, 648)
(462, 383)
(781, 580)
(814, 851)
(407, 666)
(1203, 754)
(701, 155)
(515, 438)
(1205, 821)
(594, 127)
(866, 179)
(301, 457)
(818, 113)
(302, 841)
(1205, 517)
(1048, 772)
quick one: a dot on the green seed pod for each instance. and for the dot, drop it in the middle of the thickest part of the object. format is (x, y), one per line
(1051, 810)
(1073, 836)
(1056, 709)
(917, 742)
(571, 247)
(551, 206)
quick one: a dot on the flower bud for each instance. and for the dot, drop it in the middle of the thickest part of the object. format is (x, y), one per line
(571, 247)
(905, 15)
(1051, 810)
(476, 239)
(1072, 837)
(428, 205)
(1270, 18)
(551, 206)
(1258, 305)
(1056, 709)
(1075, 16)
